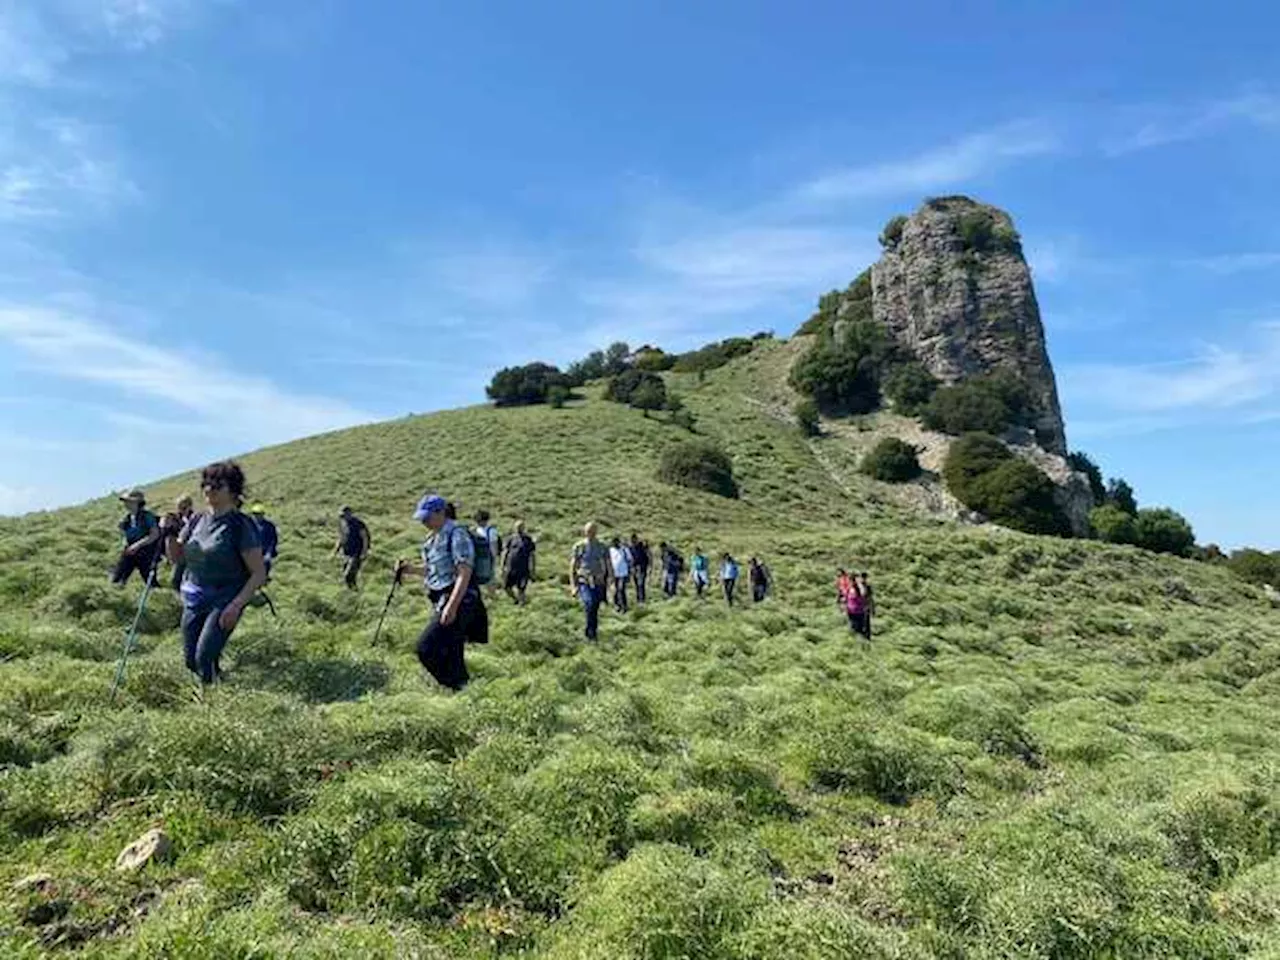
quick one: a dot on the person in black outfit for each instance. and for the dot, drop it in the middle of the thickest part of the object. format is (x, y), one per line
(353, 543)
(141, 531)
(518, 562)
(640, 566)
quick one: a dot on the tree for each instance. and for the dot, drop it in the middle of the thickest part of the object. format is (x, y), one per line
(842, 374)
(892, 460)
(623, 387)
(591, 367)
(988, 404)
(1112, 524)
(1162, 530)
(1084, 464)
(516, 386)
(1121, 495)
(892, 231)
(651, 394)
(616, 357)
(806, 413)
(698, 464)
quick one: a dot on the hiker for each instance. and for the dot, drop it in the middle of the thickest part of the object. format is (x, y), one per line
(699, 570)
(640, 567)
(223, 556)
(672, 565)
(728, 576)
(492, 542)
(843, 585)
(518, 559)
(268, 534)
(353, 544)
(182, 515)
(589, 577)
(459, 616)
(855, 605)
(620, 564)
(758, 574)
(141, 532)
(868, 603)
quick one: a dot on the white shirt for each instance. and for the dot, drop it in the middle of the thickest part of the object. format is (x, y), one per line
(620, 557)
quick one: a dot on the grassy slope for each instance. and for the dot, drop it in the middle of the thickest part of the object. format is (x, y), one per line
(1053, 749)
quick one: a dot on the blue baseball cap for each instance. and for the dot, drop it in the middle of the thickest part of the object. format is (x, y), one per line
(431, 503)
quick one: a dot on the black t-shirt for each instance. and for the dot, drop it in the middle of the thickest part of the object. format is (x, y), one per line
(520, 549)
(640, 554)
(352, 529)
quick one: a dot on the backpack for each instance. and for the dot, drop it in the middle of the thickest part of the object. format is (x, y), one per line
(482, 572)
(353, 538)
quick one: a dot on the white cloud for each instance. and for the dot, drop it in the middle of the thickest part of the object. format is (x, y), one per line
(58, 167)
(248, 409)
(1176, 124)
(490, 276)
(947, 166)
(23, 499)
(1217, 380)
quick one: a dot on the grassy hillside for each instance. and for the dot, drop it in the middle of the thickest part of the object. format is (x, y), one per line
(1052, 749)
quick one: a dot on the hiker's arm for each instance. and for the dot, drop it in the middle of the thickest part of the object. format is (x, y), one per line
(462, 577)
(573, 573)
(364, 543)
(148, 540)
(257, 577)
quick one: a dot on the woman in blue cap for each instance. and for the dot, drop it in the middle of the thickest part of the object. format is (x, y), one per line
(448, 559)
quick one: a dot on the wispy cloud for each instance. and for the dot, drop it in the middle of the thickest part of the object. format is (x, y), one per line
(1229, 263)
(58, 167)
(953, 163)
(489, 276)
(1241, 380)
(250, 409)
(1166, 125)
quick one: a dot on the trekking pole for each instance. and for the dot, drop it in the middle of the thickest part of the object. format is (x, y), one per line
(395, 582)
(133, 629)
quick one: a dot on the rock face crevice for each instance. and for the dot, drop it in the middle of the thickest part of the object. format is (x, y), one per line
(954, 287)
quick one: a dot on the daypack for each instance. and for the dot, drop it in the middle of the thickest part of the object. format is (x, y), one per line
(482, 572)
(353, 537)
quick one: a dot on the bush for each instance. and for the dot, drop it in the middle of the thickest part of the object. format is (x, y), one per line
(842, 375)
(653, 359)
(989, 404)
(713, 355)
(1255, 566)
(651, 394)
(853, 304)
(685, 419)
(983, 475)
(982, 232)
(892, 460)
(1083, 463)
(517, 386)
(806, 414)
(910, 387)
(1162, 530)
(892, 231)
(698, 464)
(590, 367)
(629, 384)
(558, 395)
(1112, 524)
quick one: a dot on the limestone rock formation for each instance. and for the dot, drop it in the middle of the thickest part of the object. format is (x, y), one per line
(952, 285)
(154, 845)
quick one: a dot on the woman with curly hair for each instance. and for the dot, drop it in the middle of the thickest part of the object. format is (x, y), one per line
(224, 567)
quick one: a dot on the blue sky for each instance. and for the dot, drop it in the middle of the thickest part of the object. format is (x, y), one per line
(227, 223)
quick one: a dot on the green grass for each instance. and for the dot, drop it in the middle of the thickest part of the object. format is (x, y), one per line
(1052, 749)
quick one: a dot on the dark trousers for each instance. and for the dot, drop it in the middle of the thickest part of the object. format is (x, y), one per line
(641, 575)
(143, 561)
(620, 595)
(728, 590)
(758, 591)
(178, 570)
(203, 639)
(671, 582)
(441, 646)
(592, 598)
(860, 623)
(351, 570)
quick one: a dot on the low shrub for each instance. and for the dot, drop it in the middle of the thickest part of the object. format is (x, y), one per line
(989, 404)
(986, 477)
(558, 395)
(860, 757)
(892, 460)
(661, 901)
(1218, 832)
(806, 414)
(1255, 566)
(630, 384)
(892, 231)
(842, 373)
(698, 464)
(713, 355)
(910, 387)
(1108, 522)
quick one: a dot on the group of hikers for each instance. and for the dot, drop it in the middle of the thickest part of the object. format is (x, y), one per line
(222, 556)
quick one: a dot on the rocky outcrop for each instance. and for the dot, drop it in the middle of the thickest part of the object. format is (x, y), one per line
(954, 288)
